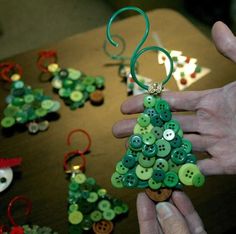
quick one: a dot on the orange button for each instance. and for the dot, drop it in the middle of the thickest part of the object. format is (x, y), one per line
(96, 97)
(158, 195)
(103, 227)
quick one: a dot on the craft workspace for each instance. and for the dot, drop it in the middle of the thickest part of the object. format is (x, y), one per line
(74, 158)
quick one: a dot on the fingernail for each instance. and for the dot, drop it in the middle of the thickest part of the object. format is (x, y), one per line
(164, 210)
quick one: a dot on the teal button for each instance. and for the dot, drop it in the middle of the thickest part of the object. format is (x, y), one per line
(158, 175)
(148, 138)
(146, 161)
(191, 158)
(149, 101)
(143, 120)
(149, 150)
(166, 115)
(163, 148)
(150, 112)
(156, 121)
(186, 145)
(171, 179)
(130, 180)
(129, 161)
(178, 156)
(135, 142)
(176, 142)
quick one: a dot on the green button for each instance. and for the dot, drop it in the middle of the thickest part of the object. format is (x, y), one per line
(172, 124)
(90, 88)
(149, 150)
(73, 207)
(104, 205)
(150, 112)
(118, 210)
(161, 164)
(156, 121)
(18, 84)
(171, 179)
(130, 180)
(161, 105)
(146, 161)
(63, 92)
(148, 138)
(191, 158)
(125, 208)
(135, 142)
(142, 130)
(75, 217)
(178, 156)
(7, 122)
(142, 184)
(173, 167)
(80, 178)
(10, 111)
(74, 74)
(18, 101)
(186, 145)
(186, 173)
(73, 186)
(89, 80)
(29, 98)
(176, 142)
(158, 175)
(99, 81)
(67, 83)
(120, 168)
(166, 115)
(41, 112)
(143, 173)
(149, 101)
(129, 161)
(109, 214)
(180, 133)
(90, 181)
(96, 215)
(153, 184)
(132, 152)
(198, 180)
(76, 96)
(80, 87)
(87, 223)
(101, 192)
(47, 104)
(143, 120)
(63, 73)
(93, 197)
(116, 180)
(56, 106)
(21, 117)
(158, 132)
(163, 148)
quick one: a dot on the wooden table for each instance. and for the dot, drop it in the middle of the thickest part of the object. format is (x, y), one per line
(43, 179)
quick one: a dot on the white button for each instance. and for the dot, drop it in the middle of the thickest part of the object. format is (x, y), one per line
(169, 134)
(6, 177)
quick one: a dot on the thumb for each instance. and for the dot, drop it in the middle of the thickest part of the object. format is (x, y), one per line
(170, 219)
(224, 40)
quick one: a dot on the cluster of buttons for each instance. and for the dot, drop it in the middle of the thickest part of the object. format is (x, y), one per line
(157, 156)
(76, 88)
(90, 206)
(36, 229)
(26, 105)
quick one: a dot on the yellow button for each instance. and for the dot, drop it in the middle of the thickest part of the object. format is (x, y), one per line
(53, 67)
(75, 217)
(80, 178)
(15, 77)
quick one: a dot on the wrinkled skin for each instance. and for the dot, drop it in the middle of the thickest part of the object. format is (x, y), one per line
(210, 126)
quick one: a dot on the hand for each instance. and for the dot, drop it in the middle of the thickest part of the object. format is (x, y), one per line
(211, 123)
(178, 217)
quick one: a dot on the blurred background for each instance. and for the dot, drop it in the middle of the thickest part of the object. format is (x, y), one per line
(26, 25)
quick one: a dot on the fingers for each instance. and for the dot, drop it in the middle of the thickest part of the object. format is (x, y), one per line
(184, 205)
(224, 40)
(179, 101)
(170, 219)
(210, 166)
(147, 215)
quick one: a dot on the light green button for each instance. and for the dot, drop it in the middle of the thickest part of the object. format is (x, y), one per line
(149, 101)
(161, 105)
(163, 147)
(142, 130)
(90, 88)
(171, 179)
(76, 96)
(186, 145)
(145, 161)
(64, 92)
(158, 132)
(74, 74)
(172, 166)
(93, 197)
(172, 124)
(198, 180)
(120, 168)
(80, 178)
(10, 111)
(180, 133)
(109, 214)
(143, 120)
(102, 192)
(116, 180)
(161, 164)
(73, 207)
(88, 80)
(47, 104)
(153, 184)
(187, 172)
(75, 217)
(148, 138)
(104, 205)
(7, 122)
(96, 215)
(29, 98)
(56, 82)
(143, 173)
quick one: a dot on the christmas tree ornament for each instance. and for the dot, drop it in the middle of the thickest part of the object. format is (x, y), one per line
(73, 86)
(25, 106)
(24, 229)
(158, 159)
(6, 172)
(90, 207)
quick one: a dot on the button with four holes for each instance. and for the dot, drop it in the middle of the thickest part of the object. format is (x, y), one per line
(163, 147)
(156, 121)
(186, 173)
(142, 130)
(161, 164)
(161, 105)
(150, 112)
(176, 141)
(116, 180)
(171, 179)
(172, 124)
(178, 156)
(165, 115)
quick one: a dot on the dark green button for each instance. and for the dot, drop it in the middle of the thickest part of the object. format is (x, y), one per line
(90, 88)
(63, 92)
(86, 223)
(149, 150)
(143, 120)
(163, 148)
(129, 161)
(172, 166)
(158, 175)
(149, 101)
(161, 105)
(29, 98)
(67, 83)
(157, 131)
(156, 121)
(150, 112)
(191, 158)
(178, 156)
(166, 115)
(171, 179)
(142, 184)
(41, 112)
(176, 142)
(96, 215)
(161, 164)
(135, 142)
(130, 180)
(172, 124)
(198, 180)
(186, 145)
(17, 101)
(63, 73)
(21, 117)
(148, 138)
(146, 161)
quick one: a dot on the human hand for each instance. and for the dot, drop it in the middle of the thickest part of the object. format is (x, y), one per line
(177, 217)
(211, 122)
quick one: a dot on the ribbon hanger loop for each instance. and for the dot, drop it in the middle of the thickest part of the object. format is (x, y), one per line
(43, 56)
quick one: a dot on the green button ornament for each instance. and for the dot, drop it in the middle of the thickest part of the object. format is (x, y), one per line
(176, 142)
(158, 175)
(96, 215)
(143, 173)
(74, 74)
(93, 197)
(158, 132)
(156, 121)
(29, 98)
(186, 145)
(150, 112)
(104, 205)
(89, 80)
(129, 161)
(109, 214)
(166, 115)
(191, 158)
(173, 167)
(47, 104)
(143, 120)
(149, 101)
(10, 111)
(80, 178)
(135, 142)
(163, 148)
(130, 180)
